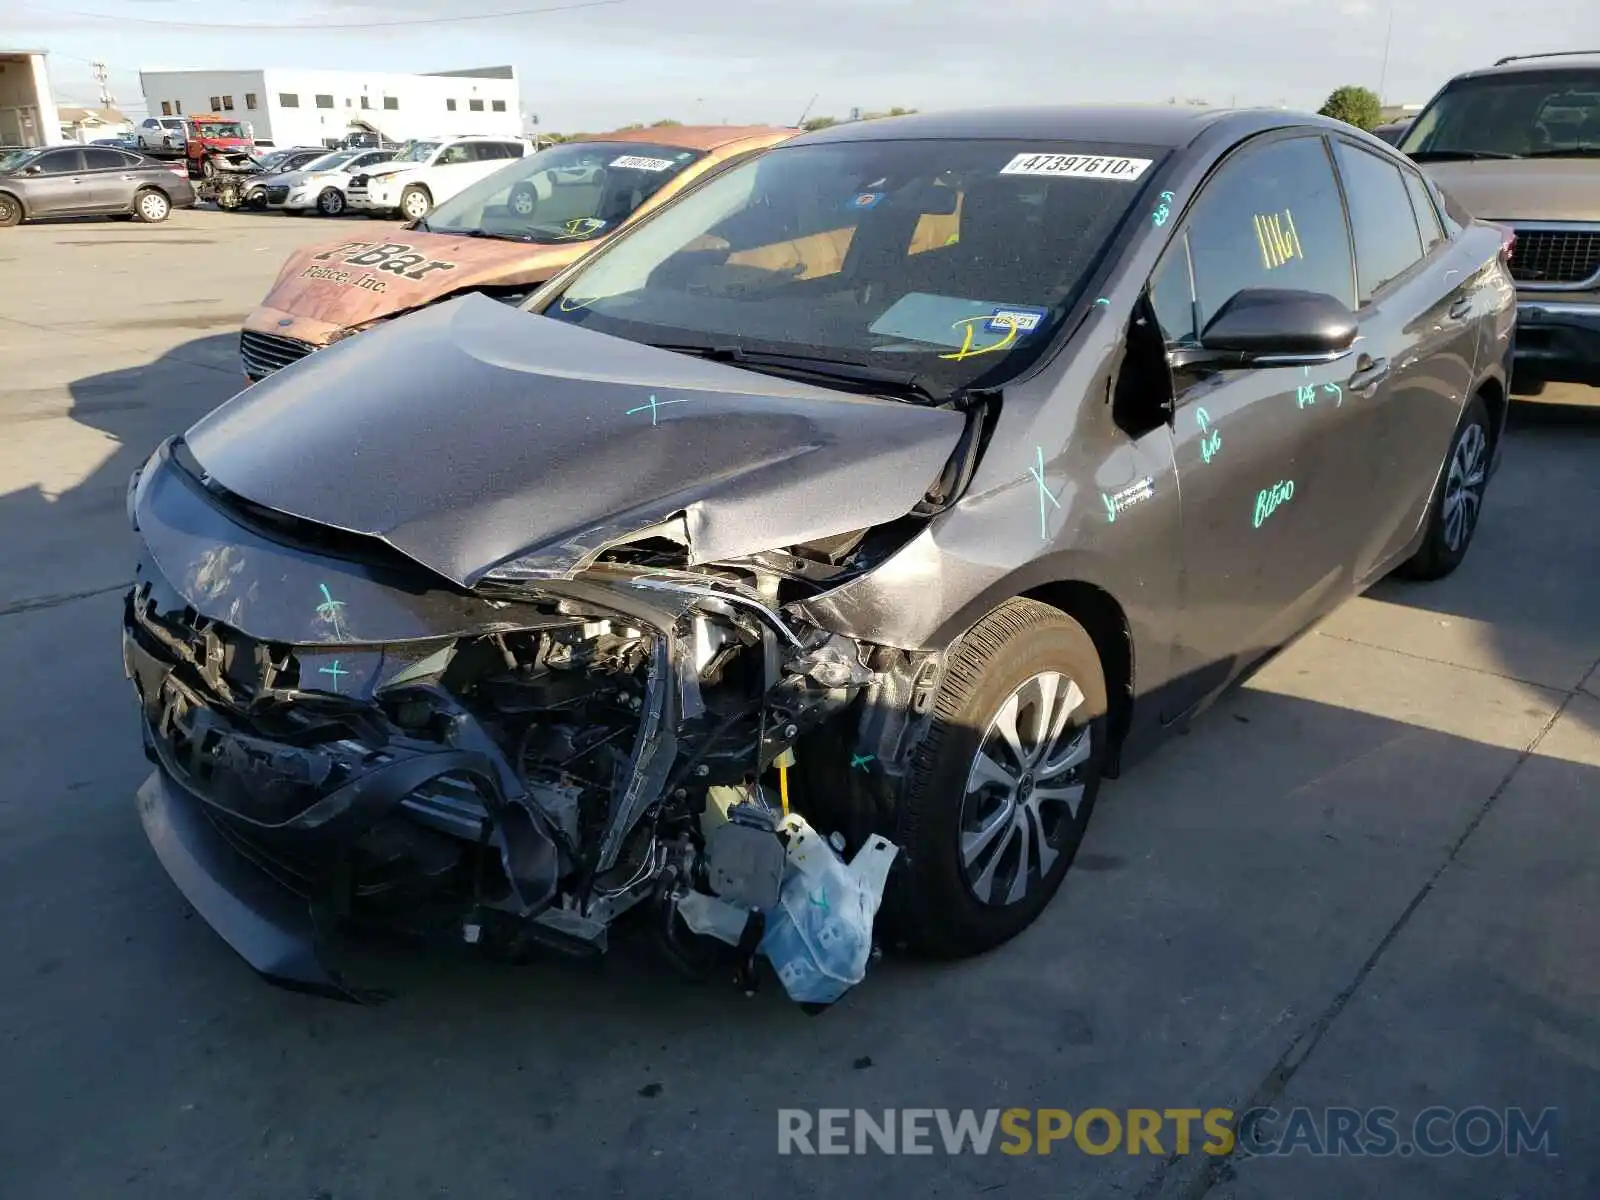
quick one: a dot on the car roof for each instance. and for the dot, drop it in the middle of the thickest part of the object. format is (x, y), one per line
(690, 137)
(1574, 61)
(1163, 125)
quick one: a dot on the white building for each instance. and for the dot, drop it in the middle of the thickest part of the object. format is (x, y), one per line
(290, 107)
(28, 114)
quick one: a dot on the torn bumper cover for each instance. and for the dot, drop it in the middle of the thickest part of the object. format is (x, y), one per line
(343, 738)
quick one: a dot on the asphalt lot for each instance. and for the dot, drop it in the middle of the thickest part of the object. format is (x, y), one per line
(1366, 879)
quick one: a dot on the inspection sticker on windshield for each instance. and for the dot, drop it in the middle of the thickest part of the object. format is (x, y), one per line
(1078, 166)
(635, 163)
(1023, 320)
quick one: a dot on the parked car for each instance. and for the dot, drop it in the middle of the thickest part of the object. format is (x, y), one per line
(161, 135)
(289, 159)
(367, 140)
(503, 235)
(1392, 131)
(78, 181)
(499, 623)
(119, 143)
(319, 185)
(426, 172)
(1519, 143)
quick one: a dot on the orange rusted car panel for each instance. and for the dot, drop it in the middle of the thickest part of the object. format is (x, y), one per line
(326, 292)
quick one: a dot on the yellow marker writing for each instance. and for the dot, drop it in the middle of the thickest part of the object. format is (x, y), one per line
(967, 351)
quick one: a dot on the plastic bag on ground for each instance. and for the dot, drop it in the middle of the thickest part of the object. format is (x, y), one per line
(819, 937)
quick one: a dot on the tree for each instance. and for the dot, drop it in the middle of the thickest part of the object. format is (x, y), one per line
(664, 124)
(816, 123)
(1354, 105)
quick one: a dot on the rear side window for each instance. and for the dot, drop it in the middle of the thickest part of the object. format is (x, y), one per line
(97, 159)
(1385, 227)
(1427, 214)
(1270, 218)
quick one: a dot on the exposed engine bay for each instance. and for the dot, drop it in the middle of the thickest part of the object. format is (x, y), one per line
(518, 765)
(224, 176)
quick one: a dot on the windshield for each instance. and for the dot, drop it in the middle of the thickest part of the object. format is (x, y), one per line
(954, 261)
(220, 129)
(13, 160)
(416, 152)
(568, 193)
(330, 162)
(1518, 115)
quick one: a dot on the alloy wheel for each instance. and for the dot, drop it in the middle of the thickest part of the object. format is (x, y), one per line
(415, 206)
(153, 206)
(1463, 486)
(1024, 789)
(331, 202)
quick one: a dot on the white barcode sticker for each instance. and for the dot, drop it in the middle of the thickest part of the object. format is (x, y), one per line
(1078, 166)
(635, 163)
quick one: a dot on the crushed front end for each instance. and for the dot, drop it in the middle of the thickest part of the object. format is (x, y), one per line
(343, 738)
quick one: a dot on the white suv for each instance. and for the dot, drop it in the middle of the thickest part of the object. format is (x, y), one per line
(428, 171)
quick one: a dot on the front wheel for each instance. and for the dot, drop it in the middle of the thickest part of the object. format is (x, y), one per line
(415, 203)
(331, 202)
(1458, 499)
(10, 211)
(1003, 785)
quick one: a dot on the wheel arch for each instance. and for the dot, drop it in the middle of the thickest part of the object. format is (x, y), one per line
(1493, 394)
(1103, 618)
(17, 200)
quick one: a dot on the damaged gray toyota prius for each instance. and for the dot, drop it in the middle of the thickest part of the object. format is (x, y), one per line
(821, 542)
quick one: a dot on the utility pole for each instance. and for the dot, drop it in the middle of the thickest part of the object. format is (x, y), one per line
(1383, 73)
(101, 76)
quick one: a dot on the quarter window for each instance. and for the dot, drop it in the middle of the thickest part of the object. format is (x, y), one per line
(1172, 295)
(1387, 242)
(1270, 218)
(1427, 214)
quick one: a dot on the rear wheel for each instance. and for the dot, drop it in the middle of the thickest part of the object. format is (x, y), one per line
(152, 206)
(331, 202)
(1003, 785)
(10, 211)
(1458, 499)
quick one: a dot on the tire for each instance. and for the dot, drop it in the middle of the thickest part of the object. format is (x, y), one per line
(946, 903)
(1457, 502)
(207, 168)
(151, 206)
(331, 202)
(10, 211)
(415, 202)
(523, 200)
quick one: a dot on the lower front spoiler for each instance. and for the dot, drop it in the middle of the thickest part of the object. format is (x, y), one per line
(267, 925)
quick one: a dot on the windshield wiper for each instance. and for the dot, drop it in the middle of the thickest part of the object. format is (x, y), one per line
(485, 233)
(1442, 155)
(856, 377)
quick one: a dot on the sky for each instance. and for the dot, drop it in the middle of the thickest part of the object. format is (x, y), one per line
(749, 61)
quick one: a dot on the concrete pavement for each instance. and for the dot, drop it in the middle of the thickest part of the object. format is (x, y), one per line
(1365, 879)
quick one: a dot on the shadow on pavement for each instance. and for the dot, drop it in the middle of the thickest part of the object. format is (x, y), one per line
(68, 534)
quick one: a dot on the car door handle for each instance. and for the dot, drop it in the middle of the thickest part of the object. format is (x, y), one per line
(1460, 308)
(1370, 372)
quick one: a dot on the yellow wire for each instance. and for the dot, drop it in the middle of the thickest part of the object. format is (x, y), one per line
(783, 789)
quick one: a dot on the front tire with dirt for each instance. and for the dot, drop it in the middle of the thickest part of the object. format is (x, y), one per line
(1003, 785)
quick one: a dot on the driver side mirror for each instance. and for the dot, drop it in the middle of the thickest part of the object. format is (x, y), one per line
(35, 169)
(1276, 327)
